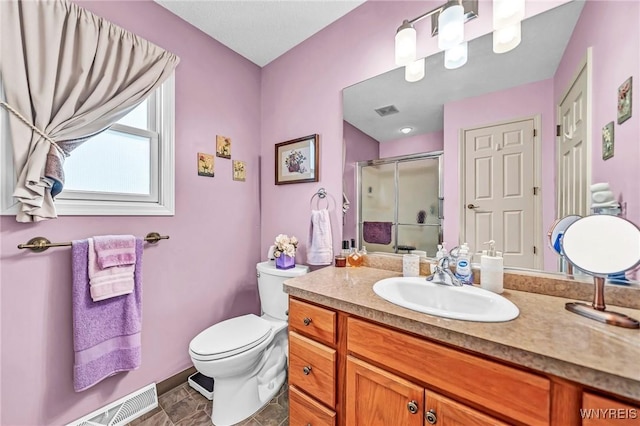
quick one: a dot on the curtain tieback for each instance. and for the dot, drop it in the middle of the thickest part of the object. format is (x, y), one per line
(34, 128)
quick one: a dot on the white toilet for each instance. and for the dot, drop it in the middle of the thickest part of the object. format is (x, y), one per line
(247, 355)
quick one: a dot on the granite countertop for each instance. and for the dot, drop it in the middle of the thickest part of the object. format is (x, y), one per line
(544, 337)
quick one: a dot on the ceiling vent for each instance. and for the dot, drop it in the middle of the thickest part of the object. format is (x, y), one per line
(387, 110)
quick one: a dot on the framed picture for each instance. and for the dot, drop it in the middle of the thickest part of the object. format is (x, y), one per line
(205, 164)
(607, 141)
(223, 146)
(297, 160)
(624, 101)
(239, 170)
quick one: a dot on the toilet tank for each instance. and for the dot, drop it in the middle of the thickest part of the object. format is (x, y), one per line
(273, 299)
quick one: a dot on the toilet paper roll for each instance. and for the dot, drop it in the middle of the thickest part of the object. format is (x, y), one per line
(602, 196)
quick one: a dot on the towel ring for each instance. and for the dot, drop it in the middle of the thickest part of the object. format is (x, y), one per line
(322, 195)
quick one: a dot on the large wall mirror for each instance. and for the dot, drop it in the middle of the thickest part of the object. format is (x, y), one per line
(506, 175)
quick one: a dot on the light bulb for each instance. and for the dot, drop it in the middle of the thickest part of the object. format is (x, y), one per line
(507, 38)
(451, 27)
(405, 44)
(414, 71)
(456, 56)
(406, 130)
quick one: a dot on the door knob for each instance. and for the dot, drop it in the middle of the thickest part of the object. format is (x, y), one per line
(412, 407)
(471, 206)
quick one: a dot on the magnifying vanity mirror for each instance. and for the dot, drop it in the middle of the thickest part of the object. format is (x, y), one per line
(555, 237)
(520, 147)
(601, 245)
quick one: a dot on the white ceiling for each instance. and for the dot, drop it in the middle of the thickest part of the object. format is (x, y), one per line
(260, 30)
(420, 104)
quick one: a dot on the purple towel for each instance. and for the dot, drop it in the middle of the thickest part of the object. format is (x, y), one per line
(377, 232)
(106, 334)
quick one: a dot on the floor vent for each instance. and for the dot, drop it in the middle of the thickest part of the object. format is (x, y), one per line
(123, 410)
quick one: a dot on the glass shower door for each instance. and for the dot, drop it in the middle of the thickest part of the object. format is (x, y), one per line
(378, 207)
(419, 205)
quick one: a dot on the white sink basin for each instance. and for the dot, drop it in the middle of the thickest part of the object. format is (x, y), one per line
(462, 303)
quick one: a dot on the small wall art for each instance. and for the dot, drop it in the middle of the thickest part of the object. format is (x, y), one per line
(297, 160)
(607, 141)
(223, 146)
(205, 164)
(624, 101)
(239, 170)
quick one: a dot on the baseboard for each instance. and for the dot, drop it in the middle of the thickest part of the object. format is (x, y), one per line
(175, 380)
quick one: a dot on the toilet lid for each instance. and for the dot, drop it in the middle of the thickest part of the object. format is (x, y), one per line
(230, 337)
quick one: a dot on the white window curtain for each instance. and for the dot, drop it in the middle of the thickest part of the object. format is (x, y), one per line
(67, 75)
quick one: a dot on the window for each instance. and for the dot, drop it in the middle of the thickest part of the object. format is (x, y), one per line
(125, 170)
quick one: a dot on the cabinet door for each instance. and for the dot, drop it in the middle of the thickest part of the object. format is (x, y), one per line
(376, 397)
(600, 411)
(447, 412)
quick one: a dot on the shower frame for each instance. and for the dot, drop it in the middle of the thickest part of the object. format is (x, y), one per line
(396, 161)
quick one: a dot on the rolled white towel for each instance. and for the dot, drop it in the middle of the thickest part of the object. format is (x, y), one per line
(607, 204)
(602, 186)
(602, 196)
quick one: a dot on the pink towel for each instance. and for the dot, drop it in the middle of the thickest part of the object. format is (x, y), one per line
(109, 282)
(115, 250)
(106, 334)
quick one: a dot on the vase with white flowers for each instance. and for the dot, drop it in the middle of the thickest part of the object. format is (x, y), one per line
(285, 251)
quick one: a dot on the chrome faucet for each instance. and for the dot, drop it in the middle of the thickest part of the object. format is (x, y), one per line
(443, 274)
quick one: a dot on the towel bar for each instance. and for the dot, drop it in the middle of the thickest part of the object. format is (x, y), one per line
(40, 244)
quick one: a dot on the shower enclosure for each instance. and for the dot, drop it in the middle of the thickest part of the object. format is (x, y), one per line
(400, 203)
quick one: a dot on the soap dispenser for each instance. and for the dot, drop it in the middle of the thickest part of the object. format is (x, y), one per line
(492, 269)
(463, 265)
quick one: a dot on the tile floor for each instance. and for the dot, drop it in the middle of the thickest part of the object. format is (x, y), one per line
(184, 406)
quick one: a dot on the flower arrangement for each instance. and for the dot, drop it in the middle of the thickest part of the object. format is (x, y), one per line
(286, 245)
(295, 162)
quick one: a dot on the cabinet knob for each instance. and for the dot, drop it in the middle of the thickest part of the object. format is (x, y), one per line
(306, 370)
(430, 416)
(306, 321)
(412, 407)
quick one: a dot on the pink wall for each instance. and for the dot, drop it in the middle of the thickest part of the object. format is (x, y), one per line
(301, 94)
(611, 28)
(205, 273)
(359, 147)
(426, 142)
(521, 102)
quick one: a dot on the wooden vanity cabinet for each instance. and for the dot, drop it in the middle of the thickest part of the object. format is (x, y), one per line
(347, 371)
(312, 365)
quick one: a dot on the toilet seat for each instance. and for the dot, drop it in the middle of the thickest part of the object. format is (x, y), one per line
(230, 337)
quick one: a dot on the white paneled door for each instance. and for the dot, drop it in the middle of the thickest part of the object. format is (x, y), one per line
(499, 200)
(573, 149)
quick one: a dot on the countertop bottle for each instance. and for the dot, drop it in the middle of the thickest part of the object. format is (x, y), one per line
(355, 257)
(492, 269)
(463, 265)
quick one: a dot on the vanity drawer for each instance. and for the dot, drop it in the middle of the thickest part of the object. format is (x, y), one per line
(517, 394)
(306, 411)
(312, 368)
(312, 321)
(602, 411)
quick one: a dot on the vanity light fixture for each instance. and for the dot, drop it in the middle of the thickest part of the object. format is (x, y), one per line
(447, 22)
(507, 24)
(406, 130)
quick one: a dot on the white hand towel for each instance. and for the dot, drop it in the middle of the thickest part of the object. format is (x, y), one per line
(602, 196)
(320, 251)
